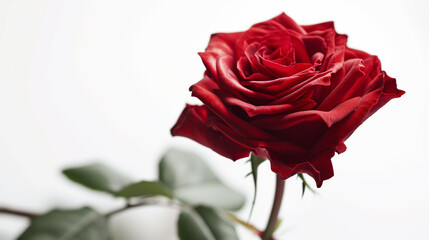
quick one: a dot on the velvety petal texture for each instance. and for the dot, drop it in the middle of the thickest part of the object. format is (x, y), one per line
(289, 93)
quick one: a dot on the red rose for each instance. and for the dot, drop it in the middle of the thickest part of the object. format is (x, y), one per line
(289, 93)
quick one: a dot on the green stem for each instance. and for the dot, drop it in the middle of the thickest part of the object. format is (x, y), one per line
(272, 221)
(145, 202)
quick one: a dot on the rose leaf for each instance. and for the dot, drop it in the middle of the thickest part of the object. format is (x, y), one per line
(83, 223)
(205, 223)
(194, 183)
(98, 177)
(144, 189)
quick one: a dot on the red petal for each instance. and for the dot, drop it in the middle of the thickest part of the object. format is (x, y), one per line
(223, 43)
(283, 70)
(389, 92)
(252, 110)
(315, 44)
(228, 80)
(288, 23)
(353, 79)
(340, 132)
(193, 124)
(254, 144)
(277, 85)
(319, 167)
(294, 92)
(319, 27)
(329, 118)
(353, 53)
(341, 148)
(245, 70)
(220, 44)
(215, 104)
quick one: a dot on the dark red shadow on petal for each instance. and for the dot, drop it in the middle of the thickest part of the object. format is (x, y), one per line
(319, 167)
(193, 123)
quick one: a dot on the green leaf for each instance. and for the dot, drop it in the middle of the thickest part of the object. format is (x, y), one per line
(193, 182)
(178, 168)
(78, 224)
(205, 223)
(145, 189)
(191, 226)
(97, 177)
(255, 161)
(219, 224)
(305, 185)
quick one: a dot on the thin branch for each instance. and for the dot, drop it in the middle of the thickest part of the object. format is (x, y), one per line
(17, 212)
(146, 202)
(246, 225)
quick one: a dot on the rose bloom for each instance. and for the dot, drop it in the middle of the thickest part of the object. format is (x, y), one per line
(288, 93)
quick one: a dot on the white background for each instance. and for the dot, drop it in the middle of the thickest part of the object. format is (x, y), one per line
(85, 80)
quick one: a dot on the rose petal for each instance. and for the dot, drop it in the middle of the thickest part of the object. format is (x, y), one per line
(254, 60)
(340, 132)
(353, 53)
(193, 124)
(389, 92)
(285, 71)
(314, 44)
(323, 164)
(223, 43)
(334, 57)
(246, 72)
(295, 92)
(319, 167)
(278, 145)
(277, 85)
(228, 80)
(253, 110)
(289, 23)
(216, 105)
(318, 27)
(209, 61)
(220, 44)
(341, 148)
(353, 78)
(329, 117)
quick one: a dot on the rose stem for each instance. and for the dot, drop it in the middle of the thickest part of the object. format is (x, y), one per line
(278, 197)
(147, 202)
(18, 212)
